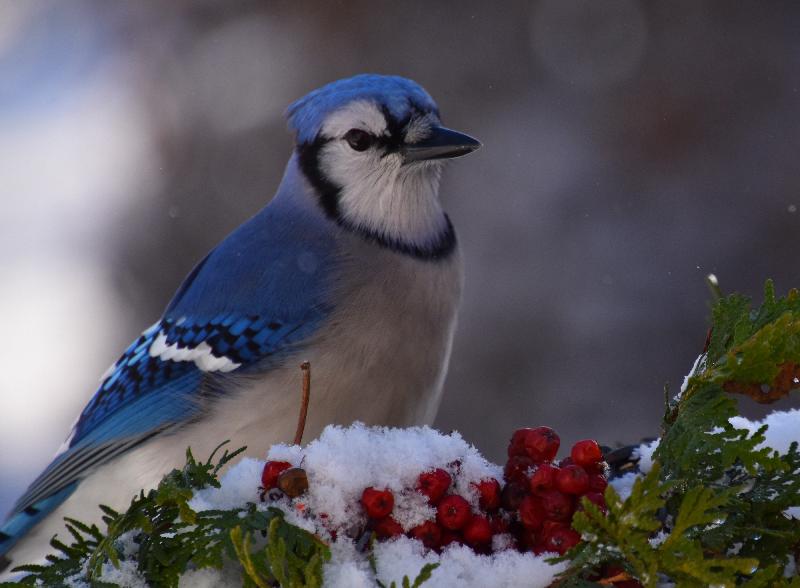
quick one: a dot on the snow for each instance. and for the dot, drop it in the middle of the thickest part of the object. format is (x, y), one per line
(236, 488)
(784, 428)
(460, 566)
(345, 460)
(624, 484)
(340, 464)
(644, 453)
(210, 578)
(698, 363)
(126, 575)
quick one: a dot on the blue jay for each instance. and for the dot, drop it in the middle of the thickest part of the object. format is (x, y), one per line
(353, 266)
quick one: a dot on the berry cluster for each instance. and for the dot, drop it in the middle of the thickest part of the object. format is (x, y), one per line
(455, 520)
(544, 494)
(531, 510)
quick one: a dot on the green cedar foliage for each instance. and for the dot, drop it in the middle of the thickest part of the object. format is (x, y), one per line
(709, 513)
(423, 576)
(172, 538)
(711, 510)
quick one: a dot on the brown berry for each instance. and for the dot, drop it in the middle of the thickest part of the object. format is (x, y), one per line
(270, 473)
(293, 482)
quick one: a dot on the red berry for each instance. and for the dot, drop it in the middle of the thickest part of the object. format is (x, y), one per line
(516, 469)
(600, 468)
(516, 447)
(586, 452)
(512, 495)
(273, 469)
(434, 484)
(561, 540)
(488, 494)
(541, 444)
(538, 548)
(453, 512)
(525, 538)
(598, 500)
(478, 531)
(598, 483)
(531, 512)
(387, 527)
(377, 503)
(544, 477)
(449, 537)
(429, 533)
(550, 526)
(499, 524)
(572, 479)
(557, 505)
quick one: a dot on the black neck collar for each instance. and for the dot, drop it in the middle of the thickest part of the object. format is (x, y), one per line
(328, 194)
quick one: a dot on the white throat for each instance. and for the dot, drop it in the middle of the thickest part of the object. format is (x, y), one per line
(394, 201)
(401, 205)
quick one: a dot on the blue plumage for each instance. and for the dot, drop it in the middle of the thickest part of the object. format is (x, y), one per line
(400, 96)
(332, 268)
(252, 315)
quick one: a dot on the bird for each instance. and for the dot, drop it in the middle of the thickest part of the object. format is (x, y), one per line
(353, 266)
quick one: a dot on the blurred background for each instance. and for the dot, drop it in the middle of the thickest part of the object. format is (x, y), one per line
(630, 148)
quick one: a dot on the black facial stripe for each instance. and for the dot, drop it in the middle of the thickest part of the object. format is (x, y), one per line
(439, 250)
(328, 192)
(395, 128)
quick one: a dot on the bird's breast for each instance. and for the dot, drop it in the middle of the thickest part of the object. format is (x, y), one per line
(380, 357)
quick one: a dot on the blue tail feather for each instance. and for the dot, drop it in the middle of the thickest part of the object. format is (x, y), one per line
(19, 523)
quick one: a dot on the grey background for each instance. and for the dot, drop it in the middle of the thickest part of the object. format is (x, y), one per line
(630, 148)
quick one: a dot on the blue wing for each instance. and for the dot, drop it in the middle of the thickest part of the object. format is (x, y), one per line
(251, 301)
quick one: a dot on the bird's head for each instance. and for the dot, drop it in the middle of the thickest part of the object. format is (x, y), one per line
(372, 147)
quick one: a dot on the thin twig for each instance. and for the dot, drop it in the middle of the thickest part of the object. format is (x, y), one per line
(621, 577)
(305, 367)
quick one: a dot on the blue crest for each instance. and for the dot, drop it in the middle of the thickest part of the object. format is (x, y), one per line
(400, 96)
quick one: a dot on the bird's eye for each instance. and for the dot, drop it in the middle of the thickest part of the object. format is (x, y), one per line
(359, 140)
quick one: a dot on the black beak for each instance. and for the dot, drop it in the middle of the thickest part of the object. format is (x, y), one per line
(442, 143)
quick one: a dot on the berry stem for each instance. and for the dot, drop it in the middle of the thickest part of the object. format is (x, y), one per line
(621, 577)
(305, 367)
